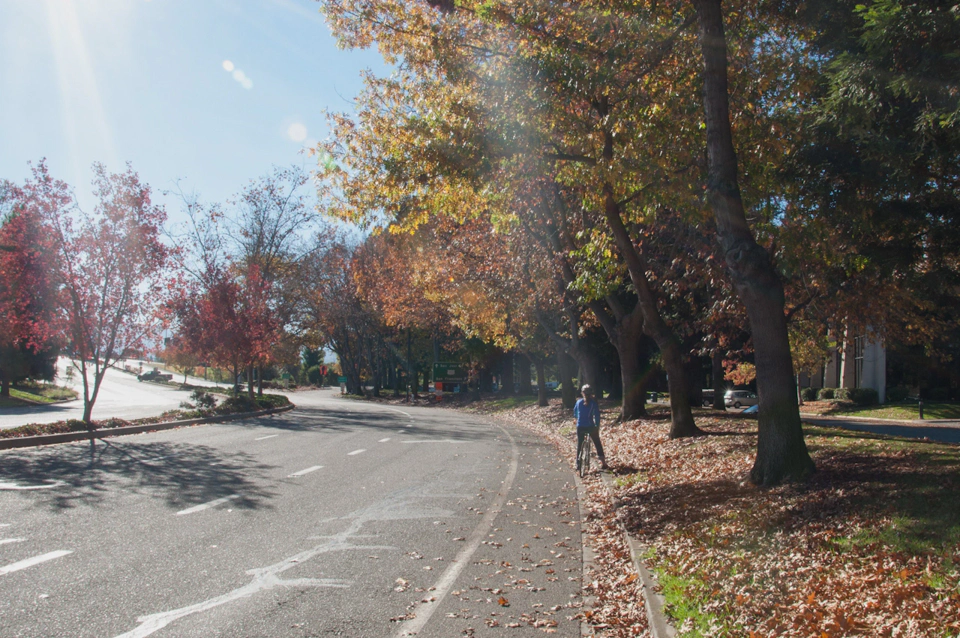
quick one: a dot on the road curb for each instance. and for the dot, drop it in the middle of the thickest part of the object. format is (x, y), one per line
(67, 437)
(589, 603)
(653, 602)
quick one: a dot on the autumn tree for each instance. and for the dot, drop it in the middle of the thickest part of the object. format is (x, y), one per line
(28, 296)
(109, 266)
(225, 319)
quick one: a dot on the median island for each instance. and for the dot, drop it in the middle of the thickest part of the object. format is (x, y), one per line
(203, 405)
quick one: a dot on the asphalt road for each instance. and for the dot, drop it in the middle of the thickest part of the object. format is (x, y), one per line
(121, 395)
(335, 519)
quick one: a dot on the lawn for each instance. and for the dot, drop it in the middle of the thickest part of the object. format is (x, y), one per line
(901, 411)
(33, 393)
(869, 545)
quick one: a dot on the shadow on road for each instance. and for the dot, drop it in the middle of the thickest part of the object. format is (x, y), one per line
(183, 475)
(317, 419)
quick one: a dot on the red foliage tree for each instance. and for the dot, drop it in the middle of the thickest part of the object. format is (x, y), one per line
(28, 317)
(109, 266)
(228, 320)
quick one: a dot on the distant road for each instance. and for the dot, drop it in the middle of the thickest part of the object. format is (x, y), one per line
(942, 431)
(121, 395)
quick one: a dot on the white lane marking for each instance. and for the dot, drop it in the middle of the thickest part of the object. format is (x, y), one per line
(4, 541)
(406, 414)
(4, 524)
(434, 441)
(10, 485)
(360, 451)
(269, 436)
(30, 562)
(204, 506)
(440, 589)
(306, 471)
(384, 440)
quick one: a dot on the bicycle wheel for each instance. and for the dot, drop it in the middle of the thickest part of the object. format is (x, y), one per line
(585, 456)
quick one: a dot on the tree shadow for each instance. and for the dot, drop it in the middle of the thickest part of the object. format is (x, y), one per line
(319, 419)
(183, 475)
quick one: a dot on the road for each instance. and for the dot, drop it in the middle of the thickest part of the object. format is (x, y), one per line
(121, 395)
(336, 519)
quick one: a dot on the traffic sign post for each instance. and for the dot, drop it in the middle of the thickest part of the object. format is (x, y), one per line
(449, 373)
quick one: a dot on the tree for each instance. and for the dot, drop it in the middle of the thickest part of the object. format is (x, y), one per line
(781, 451)
(109, 265)
(226, 320)
(28, 308)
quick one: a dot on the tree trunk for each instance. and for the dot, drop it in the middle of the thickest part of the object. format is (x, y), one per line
(681, 417)
(250, 381)
(259, 379)
(719, 387)
(567, 390)
(4, 386)
(694, 368)
(781, 451)
(523, 367)
(632, 380)
(506, 374)
(541, 382)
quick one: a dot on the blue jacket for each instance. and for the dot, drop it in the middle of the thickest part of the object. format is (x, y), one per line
(587, 414)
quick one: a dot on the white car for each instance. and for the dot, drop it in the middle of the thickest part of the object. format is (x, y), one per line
(739, 398)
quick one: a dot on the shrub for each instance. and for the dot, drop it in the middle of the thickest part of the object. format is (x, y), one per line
(203, 399)
(937, 394)
(897, 394)
(842, 394)
(825, 393)
(864, 396)
(272, 401)
(809, 394)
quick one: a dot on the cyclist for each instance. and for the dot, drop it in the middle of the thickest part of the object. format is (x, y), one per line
(587, 414)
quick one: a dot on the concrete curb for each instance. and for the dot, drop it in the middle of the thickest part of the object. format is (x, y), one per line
(66, 437)
(588, 555)
(653, 602)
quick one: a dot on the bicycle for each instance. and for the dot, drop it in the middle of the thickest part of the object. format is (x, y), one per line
(585, 450)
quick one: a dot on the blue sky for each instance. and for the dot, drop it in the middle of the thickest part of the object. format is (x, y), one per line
(211, 92)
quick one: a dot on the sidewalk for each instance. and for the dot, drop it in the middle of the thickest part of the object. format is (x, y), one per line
(943, 430)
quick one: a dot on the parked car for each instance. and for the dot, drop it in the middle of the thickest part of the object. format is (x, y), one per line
(739, 398)
(707, 397)
(154, 375)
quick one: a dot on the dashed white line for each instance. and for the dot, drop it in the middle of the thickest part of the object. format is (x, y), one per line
(384, 440)
(30, 562)
(360, 451)
(204, 506)
(4, 541)
(306, 471)
(269, 436)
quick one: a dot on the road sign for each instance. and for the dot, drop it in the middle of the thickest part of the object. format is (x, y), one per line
(449, 373)
(341, 379)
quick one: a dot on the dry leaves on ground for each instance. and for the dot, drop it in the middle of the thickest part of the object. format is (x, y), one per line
(869, 546)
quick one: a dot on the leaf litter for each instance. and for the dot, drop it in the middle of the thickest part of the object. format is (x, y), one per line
(869, 546)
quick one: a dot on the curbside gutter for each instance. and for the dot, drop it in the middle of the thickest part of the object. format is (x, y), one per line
(66, 437)
(652, 601)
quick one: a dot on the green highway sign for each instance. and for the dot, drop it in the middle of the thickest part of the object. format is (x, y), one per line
(449, 373)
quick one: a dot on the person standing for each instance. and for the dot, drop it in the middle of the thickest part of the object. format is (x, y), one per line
(587, 413)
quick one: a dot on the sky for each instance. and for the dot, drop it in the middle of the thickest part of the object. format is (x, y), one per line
(207, 94)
